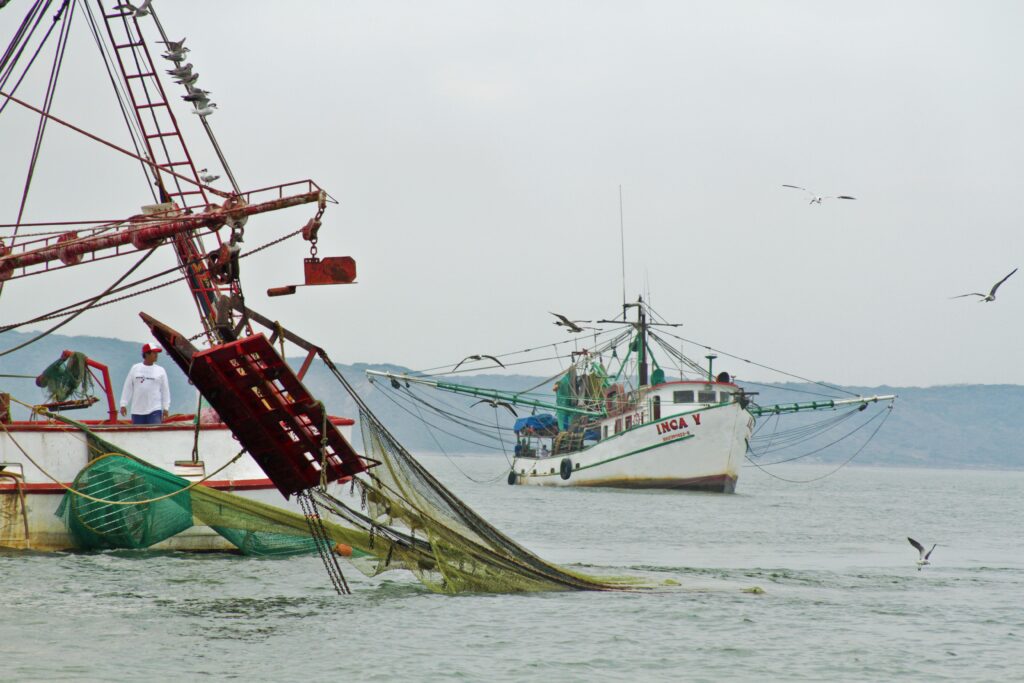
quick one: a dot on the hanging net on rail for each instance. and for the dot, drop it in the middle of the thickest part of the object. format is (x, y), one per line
(120, 501)
(66, 378)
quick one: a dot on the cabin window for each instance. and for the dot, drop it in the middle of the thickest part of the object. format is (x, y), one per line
(657, 407)
(682, 397)
(705, 397)
(618, 425)
(605, 431)
(629, 421)
(724, 397)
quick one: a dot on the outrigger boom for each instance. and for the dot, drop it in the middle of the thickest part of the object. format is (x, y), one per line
(784, 408)
(484, 393)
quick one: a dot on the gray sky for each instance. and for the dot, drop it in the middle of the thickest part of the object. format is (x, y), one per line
(477, 149)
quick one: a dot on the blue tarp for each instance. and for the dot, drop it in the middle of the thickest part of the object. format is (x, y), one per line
(545, 422)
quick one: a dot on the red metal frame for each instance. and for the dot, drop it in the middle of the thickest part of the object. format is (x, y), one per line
(267, 408)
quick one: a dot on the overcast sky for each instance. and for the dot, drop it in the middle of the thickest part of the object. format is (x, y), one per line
(477, 148)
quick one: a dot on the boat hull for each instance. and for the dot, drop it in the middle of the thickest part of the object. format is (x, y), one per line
(34, 454)
(701, 449)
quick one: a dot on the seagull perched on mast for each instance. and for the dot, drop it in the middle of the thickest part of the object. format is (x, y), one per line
(570, 325)
(816, 198)
(479, 356)
(991, 296)
(140, 11)
(175, 55)
(495, 404)
(181, 71)
(174, 45)
(203, 112)
(187, 79)
(207, 177)
(923, 559)
(197, 96)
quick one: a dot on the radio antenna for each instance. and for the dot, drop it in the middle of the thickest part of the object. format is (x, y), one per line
(622, 251)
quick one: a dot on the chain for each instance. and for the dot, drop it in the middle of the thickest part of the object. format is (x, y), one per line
(322, 542)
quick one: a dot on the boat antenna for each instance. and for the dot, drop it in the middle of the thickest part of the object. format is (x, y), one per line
(622, 252)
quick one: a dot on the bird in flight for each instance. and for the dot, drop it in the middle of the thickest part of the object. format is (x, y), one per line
(991, 296)
(816, 198)
(495, 404)
(923, 559)
(479, 356)
(570, 325)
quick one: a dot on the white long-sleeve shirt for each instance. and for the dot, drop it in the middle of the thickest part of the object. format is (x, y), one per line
(146, 389)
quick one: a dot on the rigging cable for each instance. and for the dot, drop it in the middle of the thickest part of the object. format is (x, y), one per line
(762, 467)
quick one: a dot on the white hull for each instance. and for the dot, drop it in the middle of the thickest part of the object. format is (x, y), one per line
(31, 497)
(701, 448)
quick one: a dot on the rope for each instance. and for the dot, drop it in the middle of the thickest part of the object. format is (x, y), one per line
(81, 310)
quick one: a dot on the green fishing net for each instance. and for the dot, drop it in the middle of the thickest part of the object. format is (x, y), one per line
(66, 378)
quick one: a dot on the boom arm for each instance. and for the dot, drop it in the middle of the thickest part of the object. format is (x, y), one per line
(784, 408)
(483, 393)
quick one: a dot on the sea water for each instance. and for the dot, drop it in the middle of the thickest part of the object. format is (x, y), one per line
(782, 581)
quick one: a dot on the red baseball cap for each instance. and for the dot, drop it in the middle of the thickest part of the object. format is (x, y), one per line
(149, 348)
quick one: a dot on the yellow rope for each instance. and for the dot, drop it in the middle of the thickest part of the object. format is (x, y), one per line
(69, 489)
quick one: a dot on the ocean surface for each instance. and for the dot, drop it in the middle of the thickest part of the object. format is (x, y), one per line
(842, 597)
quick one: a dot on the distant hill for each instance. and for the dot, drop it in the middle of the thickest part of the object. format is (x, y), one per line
(961, 426)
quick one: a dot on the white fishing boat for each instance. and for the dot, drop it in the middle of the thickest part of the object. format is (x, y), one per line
(40, 457)
(617, 421)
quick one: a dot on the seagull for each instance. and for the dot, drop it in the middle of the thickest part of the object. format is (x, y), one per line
(140, 11)
(197, 95)
(816, 198)
(187, 80)
(991, 296)
(495, 404)
(479, 356)
(570, 325)
(923, 560)
(181, 71)
(203, 112)
(176, 55)
(174, 45)
(206, 177)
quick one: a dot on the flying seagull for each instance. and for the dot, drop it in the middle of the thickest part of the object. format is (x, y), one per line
(816, 198)
(923, 560)
(479, 356)
(203, 112)
(495, 404)
(991, 296)
(207, 177)
(570, 325)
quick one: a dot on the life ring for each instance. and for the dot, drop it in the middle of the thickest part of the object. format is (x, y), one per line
(565, 469)
(511, 477)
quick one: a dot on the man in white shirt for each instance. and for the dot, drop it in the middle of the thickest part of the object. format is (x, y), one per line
(146, 389)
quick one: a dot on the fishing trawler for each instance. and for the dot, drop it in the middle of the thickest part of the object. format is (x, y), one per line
(618, 420)
(41, 456)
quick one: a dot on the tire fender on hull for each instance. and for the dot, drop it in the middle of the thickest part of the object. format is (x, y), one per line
(565, 468)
